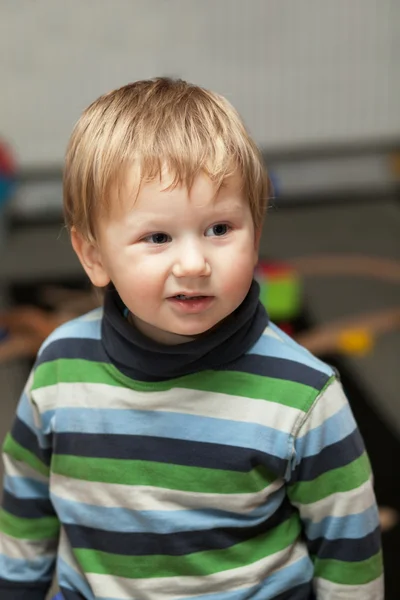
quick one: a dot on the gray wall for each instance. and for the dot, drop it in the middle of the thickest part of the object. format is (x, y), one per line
(300, 71)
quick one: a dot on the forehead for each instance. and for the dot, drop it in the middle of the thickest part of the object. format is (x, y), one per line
(164, 189)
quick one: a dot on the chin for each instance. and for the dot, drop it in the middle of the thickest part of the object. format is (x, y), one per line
(194, 331)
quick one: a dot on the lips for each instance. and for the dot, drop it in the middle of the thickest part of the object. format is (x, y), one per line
(191, 303)
(188, 296)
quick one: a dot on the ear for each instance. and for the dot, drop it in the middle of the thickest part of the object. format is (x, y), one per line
(90, 258)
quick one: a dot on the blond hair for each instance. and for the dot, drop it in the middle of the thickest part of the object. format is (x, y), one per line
(154, 124)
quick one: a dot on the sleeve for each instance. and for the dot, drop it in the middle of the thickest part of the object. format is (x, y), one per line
(331, 486)
(29, 527)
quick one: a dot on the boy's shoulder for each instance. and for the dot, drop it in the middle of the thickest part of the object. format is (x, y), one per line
(280, 357)
(73, 339)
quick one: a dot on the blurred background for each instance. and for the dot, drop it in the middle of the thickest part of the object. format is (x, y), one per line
(318, 85)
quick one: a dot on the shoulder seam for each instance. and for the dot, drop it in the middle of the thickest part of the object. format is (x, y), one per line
(301, 419)
(304, 417)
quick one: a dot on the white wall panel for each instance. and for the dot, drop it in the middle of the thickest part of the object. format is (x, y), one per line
(300, 71)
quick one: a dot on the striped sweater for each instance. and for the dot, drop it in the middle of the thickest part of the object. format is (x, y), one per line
(247, 479)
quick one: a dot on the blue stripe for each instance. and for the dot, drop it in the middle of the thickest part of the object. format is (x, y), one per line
(24, 487)
(289, 342)
(271, 347)
(19, 569)
(294, 575)
(170, 425)
(78, 328)
(350, 526)
(68, 578)
(152, 521)
(335, 428)
(242, 594)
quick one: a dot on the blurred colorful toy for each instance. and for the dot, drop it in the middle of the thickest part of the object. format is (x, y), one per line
(281, 290)
(8, 174)
(8, 182)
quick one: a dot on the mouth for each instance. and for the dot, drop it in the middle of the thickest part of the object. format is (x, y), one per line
(189, 297)
(191, 303)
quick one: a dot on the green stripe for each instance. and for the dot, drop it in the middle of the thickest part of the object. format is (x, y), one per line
(287, 393)
(195, 564)
(28, 529)
(72, 370)
(350, 573)
(162, 475)
(246, 385)
(342, 479)
(21, 454)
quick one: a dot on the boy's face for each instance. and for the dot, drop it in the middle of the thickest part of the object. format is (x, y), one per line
(181, 262)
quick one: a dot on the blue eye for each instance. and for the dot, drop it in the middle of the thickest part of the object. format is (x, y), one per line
(218, 230)
(158, 238)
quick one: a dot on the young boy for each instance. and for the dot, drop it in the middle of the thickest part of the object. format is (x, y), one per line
(175, 443)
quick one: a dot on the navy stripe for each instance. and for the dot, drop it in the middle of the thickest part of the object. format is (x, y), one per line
(171, 544)
(165, 450)
(82, 348)
(70, 595)
(254, 364)
(27, 508)
(347, 549)
(331, 457)
(300, 592)
(279, 368)
(28, 440)
(16, 590)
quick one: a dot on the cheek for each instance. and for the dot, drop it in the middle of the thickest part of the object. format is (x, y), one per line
(139, 279)
(237, 275)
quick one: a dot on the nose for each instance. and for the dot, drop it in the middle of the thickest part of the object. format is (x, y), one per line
(191, 262)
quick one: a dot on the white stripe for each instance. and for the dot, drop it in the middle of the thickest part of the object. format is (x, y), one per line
(269, 332)
(93, 315)
(177, 400)
(153, 498)
(341, 504)
(328, 403)
(374, 590)
(16, 468)
(176, 588)
(26, 549)
(29, 383)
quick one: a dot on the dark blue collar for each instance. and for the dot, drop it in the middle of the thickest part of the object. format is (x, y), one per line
(141, 358)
